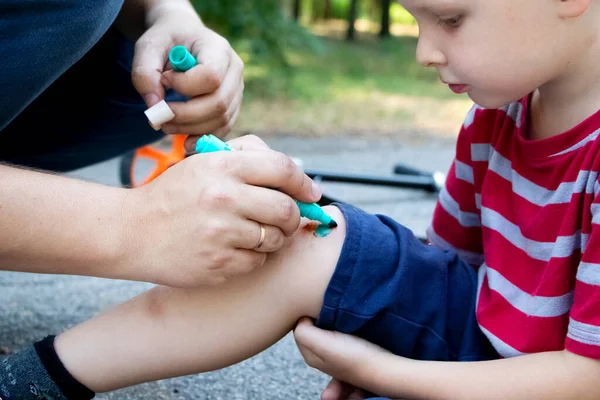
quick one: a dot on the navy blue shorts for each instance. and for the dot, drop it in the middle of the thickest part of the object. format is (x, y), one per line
(413, 299)
(67, 100)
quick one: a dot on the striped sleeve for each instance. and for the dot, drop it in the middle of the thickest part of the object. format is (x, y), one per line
(456, 221)
(583, 335)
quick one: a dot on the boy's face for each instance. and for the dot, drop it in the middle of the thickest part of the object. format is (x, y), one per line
(497, 51)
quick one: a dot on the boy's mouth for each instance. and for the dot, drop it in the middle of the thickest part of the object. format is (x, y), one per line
(459, 89)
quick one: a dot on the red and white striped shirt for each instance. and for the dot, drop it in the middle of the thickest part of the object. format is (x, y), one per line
(526, 214)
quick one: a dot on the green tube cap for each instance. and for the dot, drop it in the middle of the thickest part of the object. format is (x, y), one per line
(211, 144)
(181, 59)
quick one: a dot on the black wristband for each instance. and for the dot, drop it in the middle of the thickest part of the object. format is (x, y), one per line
(71, 387)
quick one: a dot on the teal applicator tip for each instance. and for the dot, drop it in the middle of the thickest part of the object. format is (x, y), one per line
(314, 212)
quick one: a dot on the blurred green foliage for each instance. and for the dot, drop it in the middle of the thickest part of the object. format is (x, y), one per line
(303, 76)
(283, 57)
(260, 28)
(265, 29)
(345, 69)
(369, 9)
(399, 15)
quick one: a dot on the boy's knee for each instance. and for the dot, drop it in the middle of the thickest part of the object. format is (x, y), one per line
(310, 258)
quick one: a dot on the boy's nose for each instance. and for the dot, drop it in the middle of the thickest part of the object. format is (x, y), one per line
(427, 53)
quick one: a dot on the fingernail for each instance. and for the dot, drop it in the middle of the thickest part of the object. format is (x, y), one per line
(156, 128)
(151, 99)
(316, 191)
(165, 82)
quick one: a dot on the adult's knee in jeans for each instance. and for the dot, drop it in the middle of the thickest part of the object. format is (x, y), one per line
(43, 42)
(96, 17)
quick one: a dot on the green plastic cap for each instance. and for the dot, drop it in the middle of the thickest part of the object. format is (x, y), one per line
(211, 144)
(181, 59)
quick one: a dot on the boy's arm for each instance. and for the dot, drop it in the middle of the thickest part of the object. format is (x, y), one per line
(551, 375)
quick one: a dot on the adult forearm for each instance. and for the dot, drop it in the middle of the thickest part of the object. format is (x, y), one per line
(54, 224)
(137, 15)
(552, 375)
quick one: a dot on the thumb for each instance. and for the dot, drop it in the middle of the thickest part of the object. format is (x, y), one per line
(309, 336)
(336, 390)
(148, 65)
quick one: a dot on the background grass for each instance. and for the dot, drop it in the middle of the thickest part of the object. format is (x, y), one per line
(365, 87)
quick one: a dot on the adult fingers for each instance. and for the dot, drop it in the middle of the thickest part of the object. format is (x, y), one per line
(282, 173)
(266, 206)
(238, 262)
(205, 105)
(226, 128)
(208, 121)
(267, 169)
(215, 52)
(248, 142)
(270, 207)
(219, 126)
(259, 237)
(276, 170)
(148, 64)
(197, 81)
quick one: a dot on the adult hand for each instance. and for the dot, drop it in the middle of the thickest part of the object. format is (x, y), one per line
(200, 222)
(344, 357)
(215, 85)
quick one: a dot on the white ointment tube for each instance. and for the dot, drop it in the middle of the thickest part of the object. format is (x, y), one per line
(159, 114)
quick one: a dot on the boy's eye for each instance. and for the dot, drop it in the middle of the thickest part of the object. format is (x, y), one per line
(450, 22)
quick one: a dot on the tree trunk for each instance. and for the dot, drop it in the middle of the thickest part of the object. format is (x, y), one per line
(385, 18)
(352, 15)
(327, 10)
(297, 4)
(316, 12)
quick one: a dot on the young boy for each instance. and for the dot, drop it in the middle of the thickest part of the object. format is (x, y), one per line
(520, 206)
(522, 201)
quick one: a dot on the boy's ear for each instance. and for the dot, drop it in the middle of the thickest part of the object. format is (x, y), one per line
(573, 8)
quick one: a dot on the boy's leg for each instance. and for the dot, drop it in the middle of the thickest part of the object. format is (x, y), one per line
(171, 332)
(412, 302)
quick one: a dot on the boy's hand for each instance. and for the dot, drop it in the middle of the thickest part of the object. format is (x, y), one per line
(338, 390)
(215, 85)
(344, 357)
